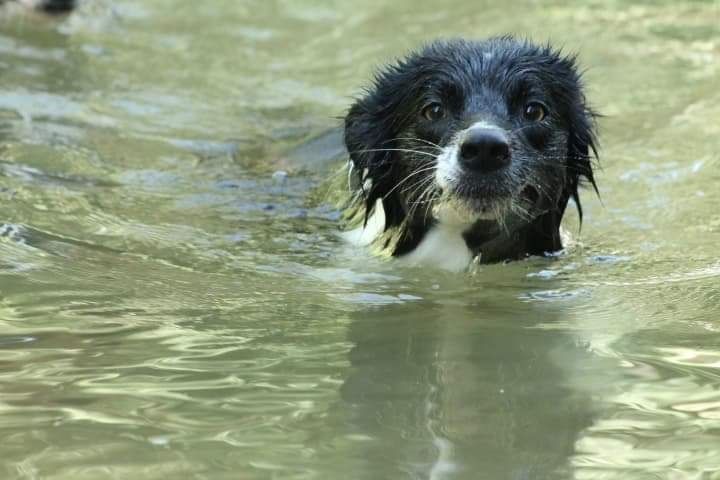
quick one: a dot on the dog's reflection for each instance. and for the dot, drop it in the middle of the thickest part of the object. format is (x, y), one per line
(464, 392)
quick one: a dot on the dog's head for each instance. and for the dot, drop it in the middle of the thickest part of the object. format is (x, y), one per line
(493, 136)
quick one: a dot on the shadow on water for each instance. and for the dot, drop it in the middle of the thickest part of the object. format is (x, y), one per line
(465, 391)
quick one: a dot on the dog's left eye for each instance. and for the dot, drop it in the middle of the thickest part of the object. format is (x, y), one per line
(433, 112)
(534, 111)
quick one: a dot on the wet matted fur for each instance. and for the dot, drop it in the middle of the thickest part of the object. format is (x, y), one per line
(424, 163)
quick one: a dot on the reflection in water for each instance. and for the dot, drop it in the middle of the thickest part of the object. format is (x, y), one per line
(168, 309)
(465, 392)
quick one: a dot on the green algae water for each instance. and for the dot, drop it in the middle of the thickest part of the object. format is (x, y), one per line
(169, 308)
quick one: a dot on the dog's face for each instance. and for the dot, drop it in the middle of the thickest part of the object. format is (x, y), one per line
(492, 135)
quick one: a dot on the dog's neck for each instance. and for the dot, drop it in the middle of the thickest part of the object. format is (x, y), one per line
(454, 246)
(515, 240)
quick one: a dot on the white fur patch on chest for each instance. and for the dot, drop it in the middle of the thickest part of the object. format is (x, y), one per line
(442, 247)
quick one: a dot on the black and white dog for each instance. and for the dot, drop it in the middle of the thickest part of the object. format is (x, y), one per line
(46, 6)
(469, 150)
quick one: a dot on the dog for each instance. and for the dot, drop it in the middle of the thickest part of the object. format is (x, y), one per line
(51, 7)
(469, 151)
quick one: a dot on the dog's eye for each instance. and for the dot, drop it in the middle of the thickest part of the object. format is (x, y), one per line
(433, 112)
(534, 112)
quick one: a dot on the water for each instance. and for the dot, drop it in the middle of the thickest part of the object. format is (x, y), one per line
(170, 309)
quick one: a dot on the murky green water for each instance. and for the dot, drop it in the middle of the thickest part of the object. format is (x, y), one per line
(169, 310)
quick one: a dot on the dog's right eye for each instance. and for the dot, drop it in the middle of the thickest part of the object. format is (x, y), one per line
(433, 112)
(535, 111)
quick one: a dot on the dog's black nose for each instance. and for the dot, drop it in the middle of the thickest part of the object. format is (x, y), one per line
(485, 150)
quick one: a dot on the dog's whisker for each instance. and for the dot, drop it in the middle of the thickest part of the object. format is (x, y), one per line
(427, 142)
(416, 172)
(423, 186)
(419, 184)
(406, 150)
(432, 194)
(427, 199)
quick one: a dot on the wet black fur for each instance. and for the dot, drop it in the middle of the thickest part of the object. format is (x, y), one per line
(476, 79)
(57, 6)
(53, 7)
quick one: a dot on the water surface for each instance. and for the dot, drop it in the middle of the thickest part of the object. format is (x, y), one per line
(168, 308)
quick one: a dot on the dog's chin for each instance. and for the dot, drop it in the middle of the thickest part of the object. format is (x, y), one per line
(454, 209)
(467, 205)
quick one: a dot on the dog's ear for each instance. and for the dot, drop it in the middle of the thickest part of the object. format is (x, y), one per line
(369, 139)
(543, 235)
(580, 121)
(582, 150)
(364, 137)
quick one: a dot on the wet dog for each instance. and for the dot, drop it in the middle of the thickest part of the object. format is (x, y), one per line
(469, 150)
(51, 7)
